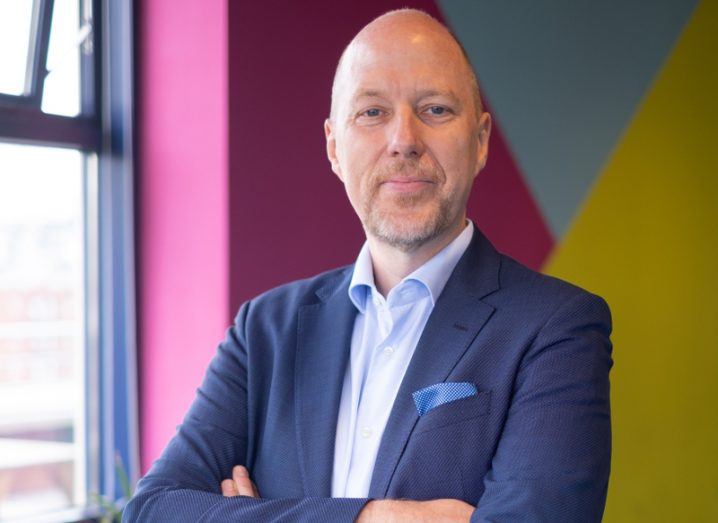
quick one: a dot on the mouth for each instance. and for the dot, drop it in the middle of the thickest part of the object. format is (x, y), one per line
(406, 185)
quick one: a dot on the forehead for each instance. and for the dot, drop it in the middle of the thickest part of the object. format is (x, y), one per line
(403, 62)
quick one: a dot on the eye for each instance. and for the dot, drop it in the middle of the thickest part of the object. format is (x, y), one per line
(370, 116)
(438, 110)
(372, 113)
(437, 114)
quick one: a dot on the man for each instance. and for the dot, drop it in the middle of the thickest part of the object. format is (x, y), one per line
(433, 380)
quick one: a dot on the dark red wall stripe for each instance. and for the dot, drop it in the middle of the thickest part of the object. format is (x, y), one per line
(289, 215)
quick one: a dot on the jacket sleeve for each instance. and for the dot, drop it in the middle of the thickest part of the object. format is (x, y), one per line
(184, 483)
(553, 458)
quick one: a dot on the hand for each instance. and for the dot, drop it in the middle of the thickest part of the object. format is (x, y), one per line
(240, 484)
(398, 511)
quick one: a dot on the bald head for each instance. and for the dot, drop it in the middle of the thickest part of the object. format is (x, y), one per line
(396, 32)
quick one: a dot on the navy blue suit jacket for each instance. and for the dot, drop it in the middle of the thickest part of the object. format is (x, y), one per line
(532, 445)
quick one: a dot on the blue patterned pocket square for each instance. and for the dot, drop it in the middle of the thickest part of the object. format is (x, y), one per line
(435, 395)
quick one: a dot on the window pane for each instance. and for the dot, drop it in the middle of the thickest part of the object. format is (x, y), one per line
(42, 318)
(62, 85)
(15, 23)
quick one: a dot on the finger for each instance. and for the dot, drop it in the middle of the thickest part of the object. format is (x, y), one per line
(242, 482)
(228, 489)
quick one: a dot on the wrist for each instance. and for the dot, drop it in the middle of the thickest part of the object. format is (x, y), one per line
(369, 512)
(388, 510)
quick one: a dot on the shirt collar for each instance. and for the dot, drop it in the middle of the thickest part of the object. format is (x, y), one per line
(433, 274)
(362, 282)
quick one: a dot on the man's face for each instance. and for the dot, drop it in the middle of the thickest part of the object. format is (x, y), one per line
(404, 136)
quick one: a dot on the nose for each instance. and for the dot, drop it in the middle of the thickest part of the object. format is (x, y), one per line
(404, 135)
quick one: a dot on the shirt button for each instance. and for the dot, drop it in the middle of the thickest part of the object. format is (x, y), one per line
(389, 351)
(366, 432)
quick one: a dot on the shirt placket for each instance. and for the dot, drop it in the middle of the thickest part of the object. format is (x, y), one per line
(364, 433)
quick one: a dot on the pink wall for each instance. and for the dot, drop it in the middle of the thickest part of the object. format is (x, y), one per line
(182, 212)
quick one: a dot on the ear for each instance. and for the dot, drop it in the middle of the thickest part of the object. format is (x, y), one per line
(482, 142)
(330, 135)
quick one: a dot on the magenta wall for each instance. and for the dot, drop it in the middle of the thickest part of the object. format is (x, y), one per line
(235, 193)
(182, 222)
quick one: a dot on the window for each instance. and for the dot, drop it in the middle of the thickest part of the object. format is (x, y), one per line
(42, 421)
(15, 26)
(67, 369)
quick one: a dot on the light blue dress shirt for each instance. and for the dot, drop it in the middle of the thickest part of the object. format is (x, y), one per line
(385, 335)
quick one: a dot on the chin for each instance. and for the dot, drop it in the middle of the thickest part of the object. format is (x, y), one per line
(406, 232)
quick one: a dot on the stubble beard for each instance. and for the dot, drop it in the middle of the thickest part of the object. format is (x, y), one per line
(387, 220)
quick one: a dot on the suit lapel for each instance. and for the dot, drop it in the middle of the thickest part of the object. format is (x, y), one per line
(457, 318)
(324, 334)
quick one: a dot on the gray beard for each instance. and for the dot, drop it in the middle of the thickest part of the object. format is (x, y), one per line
(406, 236)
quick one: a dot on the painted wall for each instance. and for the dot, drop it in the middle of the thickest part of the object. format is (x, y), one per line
(182, 227)
(609, 111)
(289, 215)
(644, 238)
(601, 171)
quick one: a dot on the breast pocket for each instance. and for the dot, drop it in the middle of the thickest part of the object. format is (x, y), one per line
(455, 412)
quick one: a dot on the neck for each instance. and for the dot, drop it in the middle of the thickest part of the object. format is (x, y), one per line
(392, 264)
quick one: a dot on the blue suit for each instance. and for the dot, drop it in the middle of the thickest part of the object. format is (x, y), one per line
(533, 444)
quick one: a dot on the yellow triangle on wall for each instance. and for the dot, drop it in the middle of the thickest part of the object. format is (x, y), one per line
(646, 239)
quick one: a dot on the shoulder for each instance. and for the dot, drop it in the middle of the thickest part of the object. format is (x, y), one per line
(515, 277)
(544, 297)
(283, 301)
(522, 294)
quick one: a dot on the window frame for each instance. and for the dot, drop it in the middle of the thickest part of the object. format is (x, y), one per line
(21, 116)
(103, 127)
(36, 60)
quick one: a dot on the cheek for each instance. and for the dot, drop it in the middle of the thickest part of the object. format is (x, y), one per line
(362, 145)
(458, 159)
(358, 160)
(354, 182)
